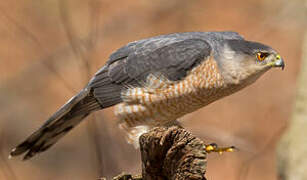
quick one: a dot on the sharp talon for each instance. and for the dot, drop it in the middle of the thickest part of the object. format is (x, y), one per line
(209, 148)
(231, 149)
(213, 147)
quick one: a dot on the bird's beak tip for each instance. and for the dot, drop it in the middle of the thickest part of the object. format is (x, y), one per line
(279, 62)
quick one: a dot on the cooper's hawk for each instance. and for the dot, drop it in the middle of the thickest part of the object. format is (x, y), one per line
(155, 81)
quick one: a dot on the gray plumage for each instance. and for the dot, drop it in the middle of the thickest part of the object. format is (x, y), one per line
(172, 56)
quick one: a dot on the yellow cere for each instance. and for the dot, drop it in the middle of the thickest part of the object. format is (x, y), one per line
(278, 57)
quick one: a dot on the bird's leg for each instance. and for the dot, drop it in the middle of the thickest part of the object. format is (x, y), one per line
(174, 123)
(213, 147)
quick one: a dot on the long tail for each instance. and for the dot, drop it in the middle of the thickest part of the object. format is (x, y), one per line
(60, 123)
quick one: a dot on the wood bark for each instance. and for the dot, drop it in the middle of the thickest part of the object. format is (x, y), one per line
(170, 154)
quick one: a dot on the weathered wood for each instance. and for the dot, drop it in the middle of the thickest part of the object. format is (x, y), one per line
(170, 154)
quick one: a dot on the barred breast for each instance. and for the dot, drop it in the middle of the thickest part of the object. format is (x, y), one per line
(160, 101)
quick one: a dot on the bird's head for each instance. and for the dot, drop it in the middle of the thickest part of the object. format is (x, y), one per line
(245, 61)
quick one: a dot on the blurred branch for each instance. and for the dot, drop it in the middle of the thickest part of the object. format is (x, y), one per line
(292, 149)
(79, 51)
(95, 18)
(84, 53)
(101, 138)
(27, 33)
(171, 153)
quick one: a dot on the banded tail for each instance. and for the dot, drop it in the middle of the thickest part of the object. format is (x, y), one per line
(59, 124)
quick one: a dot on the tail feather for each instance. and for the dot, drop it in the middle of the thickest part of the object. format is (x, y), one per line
(59, 124)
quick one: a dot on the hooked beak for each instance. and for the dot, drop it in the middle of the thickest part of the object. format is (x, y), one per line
(279, 62)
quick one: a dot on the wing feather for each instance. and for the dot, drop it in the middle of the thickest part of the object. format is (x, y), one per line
(172, 56)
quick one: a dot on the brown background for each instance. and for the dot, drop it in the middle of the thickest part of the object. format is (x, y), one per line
(49, 48)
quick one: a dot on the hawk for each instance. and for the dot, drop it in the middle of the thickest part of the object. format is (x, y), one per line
(153, 82)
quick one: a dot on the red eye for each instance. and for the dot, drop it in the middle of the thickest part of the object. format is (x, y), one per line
(261, 56)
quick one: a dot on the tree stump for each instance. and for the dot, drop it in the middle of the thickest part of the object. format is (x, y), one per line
(170, 153)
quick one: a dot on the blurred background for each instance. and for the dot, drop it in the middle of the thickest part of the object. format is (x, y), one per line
(49, 49)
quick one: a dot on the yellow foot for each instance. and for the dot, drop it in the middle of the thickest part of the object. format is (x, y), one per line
(213, 147)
